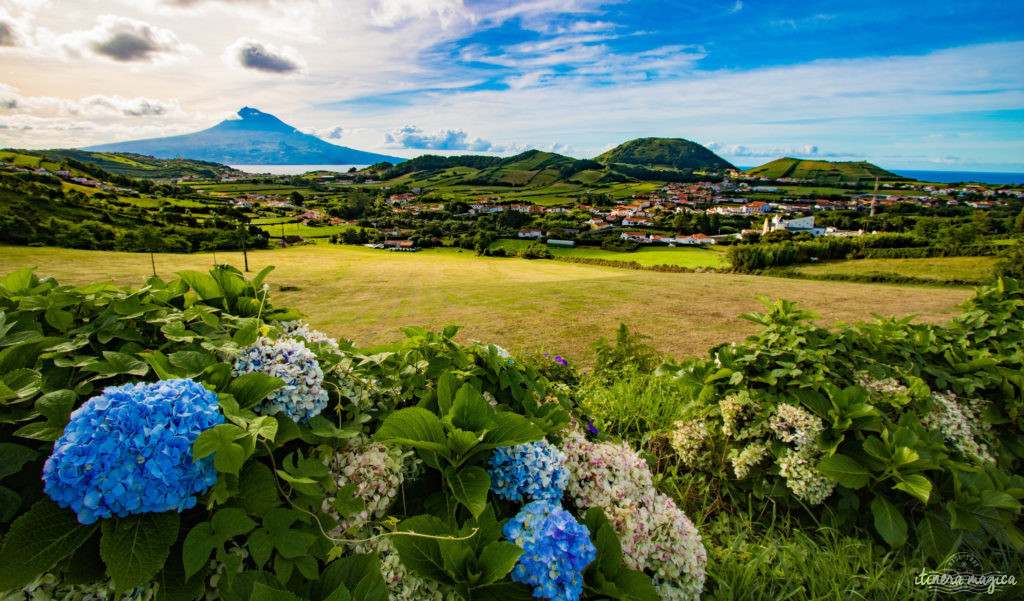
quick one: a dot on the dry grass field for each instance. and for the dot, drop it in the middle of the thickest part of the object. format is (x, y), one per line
(366, 294)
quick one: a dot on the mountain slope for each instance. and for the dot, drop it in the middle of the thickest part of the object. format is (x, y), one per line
(836, 171)
(665, 153)
(257, 138)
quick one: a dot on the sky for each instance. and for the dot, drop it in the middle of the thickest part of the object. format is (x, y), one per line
(908, 84)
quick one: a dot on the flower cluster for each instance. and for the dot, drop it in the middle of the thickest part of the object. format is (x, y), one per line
(792, 424)
(888, 389)
(302, 396)
(377, 471)
(129, 450)
(532, 472)
(960, 424)
(750, 456)
(557, 359)
(737, 410)
(556, 550)
(797, 467)
(49, 586)
(689, 439)
(301, 329)
(655, 534)
(402, 583)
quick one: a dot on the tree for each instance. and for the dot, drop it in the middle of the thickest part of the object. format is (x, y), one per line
(1018, 223)
(682, 224)
(296, 198)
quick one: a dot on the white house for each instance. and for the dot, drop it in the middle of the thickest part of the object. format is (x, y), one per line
(531, 233)
(802, 224)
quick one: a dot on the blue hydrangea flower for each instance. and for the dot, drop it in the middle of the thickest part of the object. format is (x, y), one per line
(302, 396)
(530, 472)
(556, 550)
(129, 450)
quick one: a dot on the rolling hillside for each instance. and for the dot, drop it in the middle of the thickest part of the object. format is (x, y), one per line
(825, 171)
(665, 153)
(137, 165)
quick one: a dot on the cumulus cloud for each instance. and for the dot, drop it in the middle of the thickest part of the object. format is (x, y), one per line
(411, 136)
(267, 58)
(327, 133)
(123, 39)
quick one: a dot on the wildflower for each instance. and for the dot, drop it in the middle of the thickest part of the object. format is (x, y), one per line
(531, 471)
(559, 360)
(960, 424)
(302, 396)
(556, 550)
(129, 451)
(377, 471)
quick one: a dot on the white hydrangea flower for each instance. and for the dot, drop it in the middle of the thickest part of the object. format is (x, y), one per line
(750, 456)
(48, 587)
(403, 584)
(303, 396)
(807, 484)
(688, 440)
(300, 329)
(961, 425)
(792, 424)
(377, 471)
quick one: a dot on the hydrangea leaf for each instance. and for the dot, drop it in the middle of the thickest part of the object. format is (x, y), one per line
(888, 522)
(10, 501)
(262, 592)
(37, 540)
(257, 489)
(191, 363)
(470, 486)
(936, 537)
(249, 389)
(204, 285)
(414, 427)
(845, 470)
(503, 591)
(915, 485)
(469, 411)
(221, 442)
(135, 547)
(422, 555)
(115, 363)
(12, 457)
(509, 429)
(497, 560)
(359, 574)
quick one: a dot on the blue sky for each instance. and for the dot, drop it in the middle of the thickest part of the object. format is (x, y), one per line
(908, 84)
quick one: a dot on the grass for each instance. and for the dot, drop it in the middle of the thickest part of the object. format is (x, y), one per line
(366, 295)
(938, 269)
(683, 256)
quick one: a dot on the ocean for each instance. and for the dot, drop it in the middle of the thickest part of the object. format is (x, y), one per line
(293, 169)
(953, 177)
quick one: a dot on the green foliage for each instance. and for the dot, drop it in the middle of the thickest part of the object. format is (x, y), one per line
(918, 425)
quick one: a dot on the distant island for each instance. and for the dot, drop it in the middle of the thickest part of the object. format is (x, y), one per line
(255, 138)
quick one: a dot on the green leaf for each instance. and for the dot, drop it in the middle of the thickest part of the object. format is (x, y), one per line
(447, 384)
(191, 363)
(161, 365)
(135, 547)
(888, 522)
(248, 332)
(250, 389)
(12, 457)
(346, 501)
(469, 411)
(203, 285)
(117, 364)
(415, 427)
(37, 540)
(175, 331)
(999, 500)
(59, 319)
(21, 383)
(264, 426)
(262, 592)
(172, 584)
(56, 408)
(228, 455)
(359, 574)
(916, 485)
(10, 502)
(509, 429)
(257, 488)
(469, 485)
(204, 537)
(422, 555)
(845, 470)
(936, 537)
(18, 282)
(497, 560)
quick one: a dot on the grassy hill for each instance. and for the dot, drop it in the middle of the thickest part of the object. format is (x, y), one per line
(118, 163)
(824, 171)
(665, 153)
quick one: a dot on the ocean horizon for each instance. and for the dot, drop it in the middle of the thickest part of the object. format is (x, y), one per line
(293, 169)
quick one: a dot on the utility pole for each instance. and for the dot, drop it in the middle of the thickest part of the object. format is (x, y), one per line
(874, 198)
(245, 253)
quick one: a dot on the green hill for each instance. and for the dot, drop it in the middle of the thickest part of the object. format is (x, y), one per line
(824, 171)
(665, 153)
(530, 169)
(137, 165)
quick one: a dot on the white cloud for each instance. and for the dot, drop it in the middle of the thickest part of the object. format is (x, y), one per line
(391, 13)
(113, 39)
(413, 137)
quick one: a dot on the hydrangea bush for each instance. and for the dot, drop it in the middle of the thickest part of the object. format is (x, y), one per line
(129, 451)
